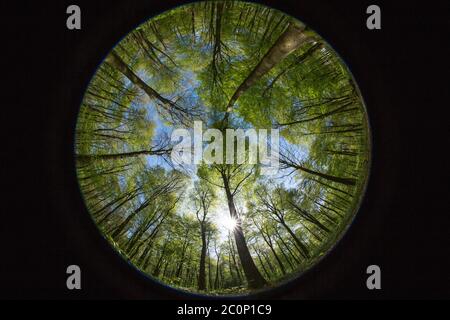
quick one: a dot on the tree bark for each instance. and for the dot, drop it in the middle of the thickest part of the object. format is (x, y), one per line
(288, 42)
(202, 267)
(254, 278)
(114, 60)
(268, 241)
(262, 263)
(175, 111)
(345, 181)
(123, 155)
(303, 249)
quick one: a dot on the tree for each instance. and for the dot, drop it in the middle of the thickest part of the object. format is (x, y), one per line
(222, 227)
(203, 196)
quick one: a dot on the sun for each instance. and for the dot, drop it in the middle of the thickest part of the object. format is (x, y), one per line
(227, 222)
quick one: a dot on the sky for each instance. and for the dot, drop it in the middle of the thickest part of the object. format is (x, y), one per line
(219, 213)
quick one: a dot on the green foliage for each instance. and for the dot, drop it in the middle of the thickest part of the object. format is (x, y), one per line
(187, 65)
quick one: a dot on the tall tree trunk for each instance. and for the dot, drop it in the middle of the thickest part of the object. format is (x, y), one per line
(288, 42)
(309, 217)
(231, 270)
(262, 264)
(233, 256)
(303, 249)
(268, 241)
(297, 61)
(287, 246)
(252, 274)
(175, 111)
(202, 266)
(122, 155)
(216, 279)
(144, 256)
(121, 227)
(157, 269)
(277, 258)
(345, 181)
(127, 196)
(208, 241)
(286, 258)
(183, 254)
(114, 60)
(340, 109)
(267, 259)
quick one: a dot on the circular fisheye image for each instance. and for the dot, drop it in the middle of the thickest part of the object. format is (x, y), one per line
(222, 148)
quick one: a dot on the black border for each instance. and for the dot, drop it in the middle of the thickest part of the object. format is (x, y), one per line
(402, 222)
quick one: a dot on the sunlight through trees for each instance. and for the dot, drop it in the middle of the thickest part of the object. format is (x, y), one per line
(221, 228)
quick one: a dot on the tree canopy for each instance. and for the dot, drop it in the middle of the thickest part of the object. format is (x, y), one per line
(221, 228)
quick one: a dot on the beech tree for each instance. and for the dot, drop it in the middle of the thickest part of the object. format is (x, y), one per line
(203, 197)
(222, 227)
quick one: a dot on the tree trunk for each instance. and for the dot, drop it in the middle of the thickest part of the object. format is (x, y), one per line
(157, 269)
(262, 264)
(286, 258)
(202, 266)
(114, 60)
(254, 278)
(233, 256)
(267, 259)
(123, 155)
(172, 108)
(303, 249)
(121, 227)
(277, 258)
(309, 217)
(216, 279)
(288, 42)
(183, 254)
(345, 181)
